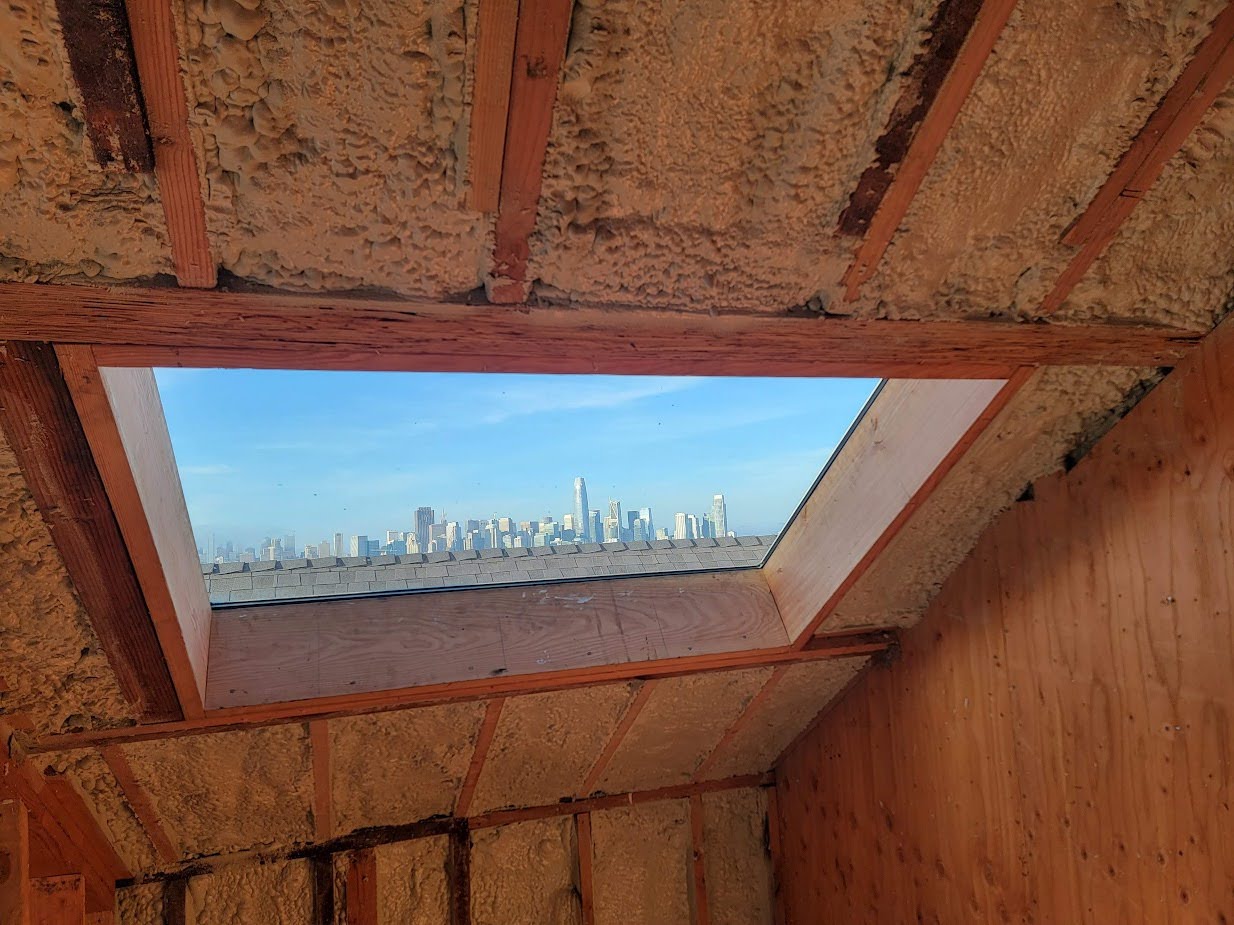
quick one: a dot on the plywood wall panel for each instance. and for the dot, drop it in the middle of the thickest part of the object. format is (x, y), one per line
(1055, 743)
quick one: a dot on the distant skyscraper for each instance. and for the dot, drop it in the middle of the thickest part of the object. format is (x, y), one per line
(681, 526)
(359, 546)
(581, 520)
(649, 524)
(423, 527)
(338, 545)
(595, 527)
(692, 528)
(719, 515)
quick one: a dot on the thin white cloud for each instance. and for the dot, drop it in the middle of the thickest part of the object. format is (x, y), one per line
(579, 396)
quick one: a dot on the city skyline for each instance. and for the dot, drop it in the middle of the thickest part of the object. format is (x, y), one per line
(273, 452)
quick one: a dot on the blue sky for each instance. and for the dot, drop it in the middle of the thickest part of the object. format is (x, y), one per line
(314, 453)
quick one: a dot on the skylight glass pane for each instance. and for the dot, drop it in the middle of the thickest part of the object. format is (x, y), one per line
(302, 485)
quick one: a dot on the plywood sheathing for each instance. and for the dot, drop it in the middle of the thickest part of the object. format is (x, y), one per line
(546, 743)
(738, 866)
(524, 874)
(1058, 410)
(90, 776)
(56, 675)
(229, 791)
(1171, 261)
(642, 864)
(680, 725)
(1045, 124)
(394, 768)
(277, 893)
(783, 110)
(140, 905)
(64, 215)
(335, 141)
(412, 885)
(791, 704)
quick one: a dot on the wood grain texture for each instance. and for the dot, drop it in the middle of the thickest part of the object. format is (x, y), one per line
(927, 141)
(140, 803)
(628, 718)
(1055, 743)
(45, 433)
(1179, 112)
(284, 652)
(173, 327)
(458, 873)
(586, 868)
(96, 37)
(323, 889)
(175, 902)
(775, 851)
(832, 646)
(323, 813)
(539, 47)
(175, 158)
(490, 100)
(896, 453)
(14, 863)
(122, 417)
(58, 901)
(484, 739)
(698, 904)
(362, 887)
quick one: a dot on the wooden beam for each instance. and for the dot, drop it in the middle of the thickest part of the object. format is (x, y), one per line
(362, 887)
(633, 709)
(139, 802)
(268, 654)
(96, 37)
(175, 902)
(586, 864)
(45, 433)
(1179, 112)
(323, 889)
(836, 646)
(173, 327)
(490, 100)
(323, 812)
(14, 863)
(886, 469)
(774, 851)
(484, 739)
(155, 48)
(122, 418)
(927, 140)
(58, 901)
(743, 719)
(539, 48)
(699, 878)
(458, 872)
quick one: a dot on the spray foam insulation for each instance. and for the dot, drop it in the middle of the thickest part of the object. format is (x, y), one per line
(642, 864)
(63, 214)
(229, 791)
(703, 151)
(274, 893)
(792, 703)
(412, 885)
(1046, 122)
(546, 743)
(335, 141)
(141, 904)
(1057, 410)
(1170, 263)
(50, 661)
(524, 874)
(90, 776)
(679, 726)
(736, 860)
(399, 767)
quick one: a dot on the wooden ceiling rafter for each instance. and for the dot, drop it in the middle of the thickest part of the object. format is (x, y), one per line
(484, 740)
(323, 802)
(628, 718)
(490, 106)
(744, 718)
(139, 801)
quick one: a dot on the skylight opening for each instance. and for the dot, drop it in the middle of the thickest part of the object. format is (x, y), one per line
(310, 485)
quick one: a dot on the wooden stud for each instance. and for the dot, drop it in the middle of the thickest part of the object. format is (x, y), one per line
(539, 48)
(140, 803)
(323, 814)
(175, 901)
(746, 715)
(633, 709)
(155, 48)
(774, 850)
(586, 863)
(488, 728)
(323, 889)
(96, 36)
(105, 917)
(458, 871)
(14, 863)
(122, 417)
(699, 906)
(174, 327)
(46, 436)
(1182, 108)
(362, 887)
(58, 901)
(927, 141)
(498, 22)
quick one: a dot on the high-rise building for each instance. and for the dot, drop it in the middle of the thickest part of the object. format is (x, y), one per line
(394, 536)
(644, 513)
(719, 515)
(359, 546)
(681, 526)
(595, 528)
(423, 527)
(581, 521)
(692, 526)
(338, 545)
(454, 536)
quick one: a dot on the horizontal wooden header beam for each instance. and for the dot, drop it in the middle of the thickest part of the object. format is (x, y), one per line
(172, 327)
